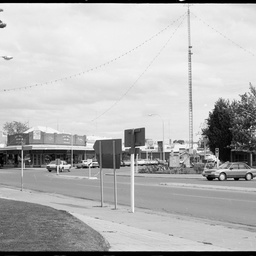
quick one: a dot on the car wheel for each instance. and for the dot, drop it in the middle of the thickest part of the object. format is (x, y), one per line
(69, 169)
(208, 178)
(236, 178)
(49, 170)
(62, 169)
(222, 176)
(248, 176)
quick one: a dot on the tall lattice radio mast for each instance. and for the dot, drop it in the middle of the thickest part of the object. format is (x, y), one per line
(190, 86)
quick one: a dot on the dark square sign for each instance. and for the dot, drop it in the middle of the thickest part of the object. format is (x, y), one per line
(106, 150)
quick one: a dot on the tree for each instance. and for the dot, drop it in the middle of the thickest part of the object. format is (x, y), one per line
(218, 129)
(15, 127)
(244, 121)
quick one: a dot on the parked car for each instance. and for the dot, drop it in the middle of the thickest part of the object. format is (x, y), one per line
(95, 164)
(88, 163)
(52, 166)
(82, 164)
(125, 163)
(235, 170)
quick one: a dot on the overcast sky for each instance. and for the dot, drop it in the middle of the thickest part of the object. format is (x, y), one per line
(99, 69)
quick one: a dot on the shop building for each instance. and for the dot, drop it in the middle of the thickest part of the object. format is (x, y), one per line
(45, 144)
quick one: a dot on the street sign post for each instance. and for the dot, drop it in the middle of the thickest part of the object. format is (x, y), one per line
(108, 154)
(217, 156)
(217, 152)
(21, 168)
(23, 147)
(57, 165)
(90, 164)
(133, 138)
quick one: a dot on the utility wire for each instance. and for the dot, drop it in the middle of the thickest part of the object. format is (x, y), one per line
(144, 71)
(227, 38)
(99, 66)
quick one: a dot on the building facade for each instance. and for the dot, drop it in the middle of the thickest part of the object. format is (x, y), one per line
(40, 147)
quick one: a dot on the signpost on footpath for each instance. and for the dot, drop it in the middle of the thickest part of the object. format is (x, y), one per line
(90, 164)
(57, 165)
(133, 138)
(108, 154)
(217, 156)
(22, 162)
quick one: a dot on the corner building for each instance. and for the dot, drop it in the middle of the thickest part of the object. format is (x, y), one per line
(43, 146)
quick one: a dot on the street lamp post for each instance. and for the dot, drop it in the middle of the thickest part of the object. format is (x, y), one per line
(163, 131)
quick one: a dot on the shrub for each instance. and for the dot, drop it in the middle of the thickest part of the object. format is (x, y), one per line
(199, 167)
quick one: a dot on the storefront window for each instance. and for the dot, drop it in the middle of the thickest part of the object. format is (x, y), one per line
(47, 159)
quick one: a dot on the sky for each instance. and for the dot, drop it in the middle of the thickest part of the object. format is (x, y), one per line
(100, 69)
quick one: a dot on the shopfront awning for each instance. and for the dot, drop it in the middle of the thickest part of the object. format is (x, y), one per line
(45, 147)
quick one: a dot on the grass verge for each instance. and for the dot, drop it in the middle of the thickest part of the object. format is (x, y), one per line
(32, 227)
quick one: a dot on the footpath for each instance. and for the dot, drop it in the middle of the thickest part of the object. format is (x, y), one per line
(144, 230)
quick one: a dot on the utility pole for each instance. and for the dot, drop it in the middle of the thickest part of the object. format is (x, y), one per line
(190, 86)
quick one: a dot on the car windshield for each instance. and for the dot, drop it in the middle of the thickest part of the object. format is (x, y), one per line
(52, 162)
(226, 165)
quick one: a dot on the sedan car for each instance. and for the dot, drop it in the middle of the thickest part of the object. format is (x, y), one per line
(235, 170)
(88, 163)
(52, 166)
(82, 164)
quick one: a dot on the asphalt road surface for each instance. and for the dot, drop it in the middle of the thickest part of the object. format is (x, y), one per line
(237, 207)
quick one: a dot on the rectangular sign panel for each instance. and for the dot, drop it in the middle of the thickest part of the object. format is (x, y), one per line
(134, 137)
(107, 149)
(17, 139)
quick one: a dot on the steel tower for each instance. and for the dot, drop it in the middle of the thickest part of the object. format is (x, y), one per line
(190, 86)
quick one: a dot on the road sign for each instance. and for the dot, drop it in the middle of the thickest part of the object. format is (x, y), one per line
(217, 152)
(89, 161)
(134, 137)
(107, 151)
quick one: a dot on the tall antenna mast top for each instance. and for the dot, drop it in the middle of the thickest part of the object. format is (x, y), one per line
(190, 85)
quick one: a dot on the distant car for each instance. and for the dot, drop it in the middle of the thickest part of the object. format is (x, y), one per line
(88, 163)
(125, 163)
(52, 166)
(95, 164)
(235, 170)
(82, 164)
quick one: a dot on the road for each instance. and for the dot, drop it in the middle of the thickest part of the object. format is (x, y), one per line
(213, 204)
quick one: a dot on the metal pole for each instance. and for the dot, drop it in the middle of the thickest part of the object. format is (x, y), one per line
(21, 168)
(190, 85)
(101, 175)
(89, 171)
(132, 182)
(132, 171)
(114, 165)
(71, 157)
(136, 162)
(163, 142)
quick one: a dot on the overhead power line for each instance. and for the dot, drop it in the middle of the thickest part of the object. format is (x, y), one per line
(226, 37)
(139, 77)
(99, 66)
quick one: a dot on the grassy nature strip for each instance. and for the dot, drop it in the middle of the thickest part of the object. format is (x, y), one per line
(32, 227)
